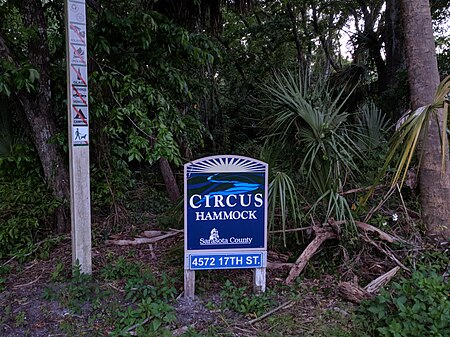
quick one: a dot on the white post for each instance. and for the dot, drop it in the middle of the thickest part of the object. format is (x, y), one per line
(189, 283)
(259, 280)
(78, 124)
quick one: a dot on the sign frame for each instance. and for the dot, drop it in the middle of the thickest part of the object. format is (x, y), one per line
(236, 195)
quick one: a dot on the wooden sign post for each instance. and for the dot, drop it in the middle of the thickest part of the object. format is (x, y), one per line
(78, 120)
(225, 217)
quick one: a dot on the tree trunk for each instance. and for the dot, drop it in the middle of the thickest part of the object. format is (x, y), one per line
(393, 93)
(169, 180)
(37, 109)
(394, 43)
(423, 78)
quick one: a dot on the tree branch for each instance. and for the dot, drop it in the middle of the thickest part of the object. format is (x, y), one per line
(5, 51)
(94, 5)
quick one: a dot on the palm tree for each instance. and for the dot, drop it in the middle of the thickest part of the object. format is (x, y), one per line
(423, 78)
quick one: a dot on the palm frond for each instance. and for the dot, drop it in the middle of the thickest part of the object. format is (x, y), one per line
(282, 193)
(407, 136)
(311, 124)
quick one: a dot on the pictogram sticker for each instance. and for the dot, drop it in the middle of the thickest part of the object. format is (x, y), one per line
(78, 75)
(80, 115)
(79, 95)
(77, 54)
(77, 33)
(80, 135)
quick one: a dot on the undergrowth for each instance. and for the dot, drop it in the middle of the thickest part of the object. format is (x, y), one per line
(242, 300)
(413, 306)
(26, 204)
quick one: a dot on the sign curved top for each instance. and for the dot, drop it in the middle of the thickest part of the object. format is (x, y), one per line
(227, 163)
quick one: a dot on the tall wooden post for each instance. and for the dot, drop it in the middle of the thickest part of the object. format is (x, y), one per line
(78, 123)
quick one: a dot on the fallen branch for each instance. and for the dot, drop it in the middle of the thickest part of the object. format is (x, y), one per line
(282, 306)
(152, 234)
(131, 328)
(388, 253)
(246, 332)
(369, 228)
(140, 241)
(36, 247)
(403, 203)
(380, 204)
(374, 286)
(363, 189)
(276, 256)
(180, 331)
(152, 251)
(322, 234)
(29, 283)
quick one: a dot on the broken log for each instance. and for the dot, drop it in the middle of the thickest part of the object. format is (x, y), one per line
(322, 234)
(152, 234)
(353, 292)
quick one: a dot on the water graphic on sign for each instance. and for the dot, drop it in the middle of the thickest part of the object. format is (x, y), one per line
(237, 186)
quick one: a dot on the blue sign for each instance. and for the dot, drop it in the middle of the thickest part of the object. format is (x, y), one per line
(226, 261)
(225, 204)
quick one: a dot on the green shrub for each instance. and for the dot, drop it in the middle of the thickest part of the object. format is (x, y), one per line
(416, 306)
(26, 204)
(121, 268)
(148, 286)
(149, 313)
(78, 291)
(239, 300)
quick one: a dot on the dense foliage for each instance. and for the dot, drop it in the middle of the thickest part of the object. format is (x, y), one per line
(164, 85)
(314, 88)
(414, 306)
(26, 206)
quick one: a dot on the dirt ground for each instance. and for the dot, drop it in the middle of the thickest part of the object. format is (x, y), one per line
(29, 307)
